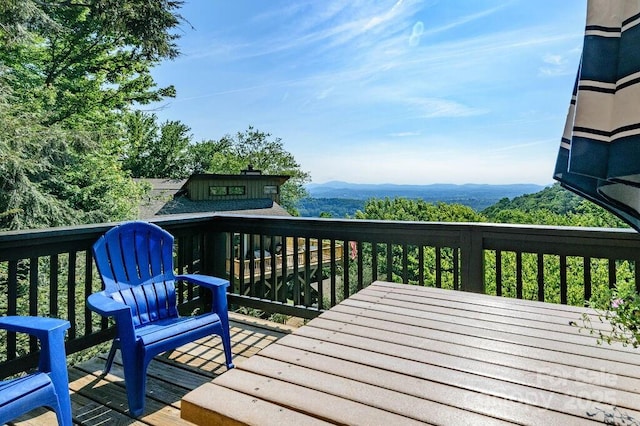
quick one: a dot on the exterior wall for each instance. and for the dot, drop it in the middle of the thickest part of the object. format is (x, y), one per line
(199, 189)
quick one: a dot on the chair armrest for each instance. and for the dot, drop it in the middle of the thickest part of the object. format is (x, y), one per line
(218, 287)
(50, 332)
(204, 280)
(35, 326)
(106, 306)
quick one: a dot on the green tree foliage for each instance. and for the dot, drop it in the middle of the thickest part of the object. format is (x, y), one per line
(67, 72)
(552, 206)
(153, 151)
(417, 210)
(210, 155)
(51, 176)
(232, 154)
(81, 61)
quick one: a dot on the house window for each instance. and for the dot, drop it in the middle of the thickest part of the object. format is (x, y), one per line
(237, 190)
(270, 189)
(218, 190)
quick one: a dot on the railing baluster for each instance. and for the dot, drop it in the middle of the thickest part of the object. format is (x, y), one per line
(88, 290)
(285, 267)
(297, 293)
(71, 294)
(405, 263)
(180, 261)
(374, 261)
(587, 278)
(438, 254)
(190, 264)
(307, 272)
(274, 291)
(319, 274)
(540, 269)
(263, 269)
(332, 267)
(345, 270)
(53, 285)
(456, 269)
(563, 280)
(519, 275)
(252, 265)
(33, 297)
(242, 255)
(359, 258)
(12, 305)
(389, 261)
(498, 272)
(612, 273)
(421, 265)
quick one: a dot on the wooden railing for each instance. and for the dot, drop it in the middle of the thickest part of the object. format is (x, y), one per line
(321, 261)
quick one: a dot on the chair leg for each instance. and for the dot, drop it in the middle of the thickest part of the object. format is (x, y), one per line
(110, 357)
(59, 377)
(135, 375)
(226, 344)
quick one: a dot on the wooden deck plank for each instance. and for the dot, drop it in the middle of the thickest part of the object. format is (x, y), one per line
(299, 398)
(477, 320)
(322, 377)
(523, 338)
(460, 373)
(432, 293)
(390, 375)
(108, 391)
(493, 312)
(508, 355)
(220, 405)
(505, 306)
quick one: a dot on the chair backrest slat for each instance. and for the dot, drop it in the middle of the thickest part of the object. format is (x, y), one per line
(135, 261)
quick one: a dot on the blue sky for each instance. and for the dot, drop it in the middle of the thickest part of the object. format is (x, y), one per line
(399, 91)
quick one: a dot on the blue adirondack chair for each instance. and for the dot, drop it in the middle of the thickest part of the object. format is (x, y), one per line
(49, 385)
(135, 262)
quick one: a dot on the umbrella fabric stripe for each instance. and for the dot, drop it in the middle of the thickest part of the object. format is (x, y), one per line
(625, 151)
(628, 81)
(597, 86)
(596, 60)
(627, 131)
(632, 20)
(599, 155)
(594, 30)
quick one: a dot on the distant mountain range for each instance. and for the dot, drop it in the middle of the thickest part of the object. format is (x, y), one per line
(436, 192)
(477, 196)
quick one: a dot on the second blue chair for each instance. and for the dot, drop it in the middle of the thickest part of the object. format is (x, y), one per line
(49, 385)
(135, 262)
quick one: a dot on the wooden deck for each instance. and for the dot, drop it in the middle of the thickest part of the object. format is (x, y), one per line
(397, 354)
(102, 401)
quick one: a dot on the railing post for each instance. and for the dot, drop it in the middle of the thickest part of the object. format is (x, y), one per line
(215, 254)
(472, 260)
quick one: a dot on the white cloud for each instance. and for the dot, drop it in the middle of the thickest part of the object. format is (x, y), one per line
(404, 134)
(438, 108)
(555, 65)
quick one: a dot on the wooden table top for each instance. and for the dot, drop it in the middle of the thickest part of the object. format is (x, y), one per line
(397, 354)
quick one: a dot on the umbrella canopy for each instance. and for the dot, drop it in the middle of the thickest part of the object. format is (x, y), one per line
(599, 155)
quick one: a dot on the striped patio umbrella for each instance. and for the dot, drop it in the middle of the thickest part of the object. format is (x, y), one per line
(599, 155)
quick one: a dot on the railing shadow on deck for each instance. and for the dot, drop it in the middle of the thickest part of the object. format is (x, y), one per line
(302, 266)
